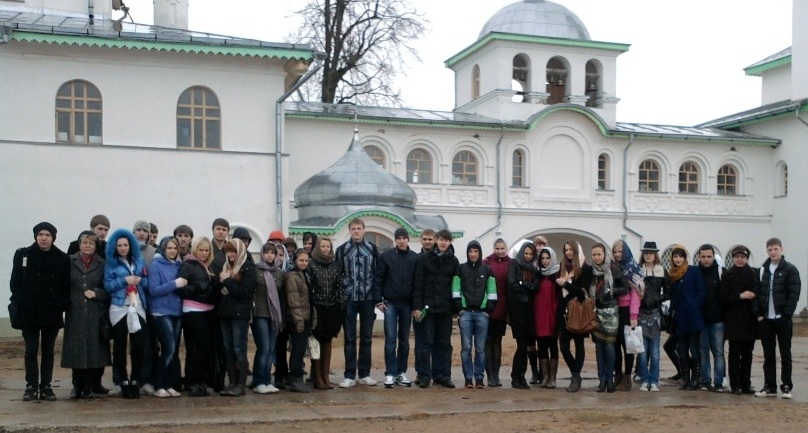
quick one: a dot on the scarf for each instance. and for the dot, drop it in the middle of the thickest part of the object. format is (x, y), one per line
(632, 271)
(554, 266)
(604, 270)
(241, 258)
(321, 258)
(656, 271)
(87, 260)
(272, 290)
(677, 272)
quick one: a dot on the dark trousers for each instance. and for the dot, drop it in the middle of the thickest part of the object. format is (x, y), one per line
(739, 363)
(436, 355)
(282, 356)
(548, 347)
(367, 316)
(198, 330)
(519, 364)
(151, 353)
(300, 341)
(575, 363)
(35, 339)
(773, 333)
(82, 380)
(135, 342)
(688, 350)
(670, 349)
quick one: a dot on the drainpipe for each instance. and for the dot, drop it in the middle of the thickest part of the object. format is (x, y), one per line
(499, 185)
(318, 63)
(625, 190)
(91, 12)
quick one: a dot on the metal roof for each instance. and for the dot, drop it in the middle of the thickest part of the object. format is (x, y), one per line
(776, 60)
(77, 30)
(536, 18)
(760, 114)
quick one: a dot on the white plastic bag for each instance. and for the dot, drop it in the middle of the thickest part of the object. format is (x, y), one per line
(313, 348)
(132, 320)
(634, 342)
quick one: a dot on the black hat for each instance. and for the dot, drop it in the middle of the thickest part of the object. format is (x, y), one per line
(45, 226)
(740, 249)
(242, 233)
(649, 247)
(401, 232)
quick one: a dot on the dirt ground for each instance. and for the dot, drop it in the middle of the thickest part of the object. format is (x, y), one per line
(373, 409)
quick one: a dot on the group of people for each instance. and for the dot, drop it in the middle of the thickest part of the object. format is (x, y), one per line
(211, 292)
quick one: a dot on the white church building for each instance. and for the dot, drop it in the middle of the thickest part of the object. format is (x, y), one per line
(173, 126)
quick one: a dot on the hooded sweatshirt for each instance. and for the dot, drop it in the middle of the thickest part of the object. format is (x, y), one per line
(474, 287)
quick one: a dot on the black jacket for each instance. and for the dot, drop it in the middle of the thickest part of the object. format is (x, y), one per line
(786, 289)
(712, 309)
(200, 287)
(474, 287)
(237, 303)
(433, 280)
(40, 287)
(656, 289)
(394, 274)
(740, 315)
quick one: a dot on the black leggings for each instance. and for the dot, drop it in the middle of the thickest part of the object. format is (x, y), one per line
(575, 363)
(548, 347)
(137, 341)
(739, 363)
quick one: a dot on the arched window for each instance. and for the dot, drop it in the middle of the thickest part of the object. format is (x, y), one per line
(419, 166)
(198, 119)
(518, 176)
(727, 180)
(475, 82)
(782, 180)
(603, 172)
(464, 168)
(557, 72)
(78, 113)
(381, 241)
(521, 78)
(376, 154)
(649, 176)
(689, 178)
(593, 84)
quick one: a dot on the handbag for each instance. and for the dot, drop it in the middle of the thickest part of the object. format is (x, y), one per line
(634, 341)
(14, 315)
(581, 317)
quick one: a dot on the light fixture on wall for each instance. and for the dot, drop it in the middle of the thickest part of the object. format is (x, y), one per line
(477, 136)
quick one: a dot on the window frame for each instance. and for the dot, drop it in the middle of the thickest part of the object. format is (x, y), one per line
(420, 165)
(723, 185)
(75, 110)
(376, 154)
(603, 172)
(648, 180)
(692, 182)
(199, 119)
(518, 170)
(470, 174)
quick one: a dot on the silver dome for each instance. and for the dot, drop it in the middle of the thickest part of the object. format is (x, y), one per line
(537, 18)
(353, 182)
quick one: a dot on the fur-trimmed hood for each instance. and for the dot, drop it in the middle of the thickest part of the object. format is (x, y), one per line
(134, 246)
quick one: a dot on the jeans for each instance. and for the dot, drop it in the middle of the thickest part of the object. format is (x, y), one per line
(264, 335)
(575, 363)
(712, 341)
(300, 341)
(41, 374)
(436, 356)
(121, 334)
(367, 315)
(649, 361)
(473, 326)
(234, 339)
(604, 353)
(774, 332)
(167, 328)
(397, 322)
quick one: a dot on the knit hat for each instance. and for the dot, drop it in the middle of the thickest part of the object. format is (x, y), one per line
(242, 233)
(140, 224)
(401, 232)
(45, 226)
(740, 249)
(99, 219)
(277, 235)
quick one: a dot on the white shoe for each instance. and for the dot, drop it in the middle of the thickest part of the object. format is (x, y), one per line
(367, 380)
(403, 380)
(654, 388)
(115, 391)
(389, 381)
(174, 393)
(786, 393)
(271, 389)
(261, 389)
(161, 393)
(347, 383)
(147, 389)
(764, 393)
(644, 386)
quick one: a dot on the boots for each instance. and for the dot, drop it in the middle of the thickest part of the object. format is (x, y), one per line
(317, 370)
(695, 374)
(536, 376)
(238, 379)
(545, 366)
(325, 365)
(297, 384)
(685, 383)
(229, 390)
(550, 381)
(489, 362)
(575, 383)
(496, 363)
(618, 378)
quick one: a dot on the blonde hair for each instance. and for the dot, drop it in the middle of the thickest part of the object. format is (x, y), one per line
(199, 243)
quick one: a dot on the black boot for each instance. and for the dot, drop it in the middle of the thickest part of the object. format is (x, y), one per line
(575, 383)
(685, 382)
(535, 376)
(496, 351)
(695, 374)
(610, 386)
(297, 384)
(602, 386)
(489, 362)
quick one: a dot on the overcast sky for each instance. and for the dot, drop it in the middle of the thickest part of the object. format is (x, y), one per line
(685, 64)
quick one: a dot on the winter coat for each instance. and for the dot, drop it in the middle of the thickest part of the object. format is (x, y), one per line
(786, 289)
(433, 280)
(523, 281)
(545, 306)
(116, 270)
(261, 298)
(83, 346)
(200, 284)
(474, 287)
(238, 302)
(40, 287)
(656, 289)
(713, 309)
(358, 261)
(326, 282)
(499, 267)
(687, 299)
(164, 297)
(620, 287)
(740, 315)
(395, 271)
(297, 294)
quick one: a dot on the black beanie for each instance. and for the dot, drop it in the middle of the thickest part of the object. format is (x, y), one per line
(401, 232)
(45, 226)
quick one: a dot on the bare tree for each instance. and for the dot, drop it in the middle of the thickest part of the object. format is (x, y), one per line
(366, 44)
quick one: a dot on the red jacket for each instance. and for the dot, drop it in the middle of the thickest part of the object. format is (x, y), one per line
(499, 265)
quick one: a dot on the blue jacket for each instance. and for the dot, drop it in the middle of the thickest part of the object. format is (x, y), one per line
(164, 298)
(395, 272)
(116, 270)
(687, 299)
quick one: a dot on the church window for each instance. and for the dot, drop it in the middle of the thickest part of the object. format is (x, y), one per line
(376, 154)
(649, 176)
(198, 119)
(727, 180)
(475, 82)
(464, 168)
(689, 178)
(419, 166)
(603, 172)
(782, 180)
(78, 113)
(518, 176)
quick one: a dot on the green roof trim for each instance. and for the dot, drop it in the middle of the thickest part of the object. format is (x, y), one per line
(336, 117)
(758, 70)
(543, 40)
(342, 222)
(153, 45)
(602, 126)
(762, 119)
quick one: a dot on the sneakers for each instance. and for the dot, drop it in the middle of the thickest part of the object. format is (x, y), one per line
(478, 383)
(766, 393)
(347, 383)
(174, 393)
(46, 393)
(653, 388)
(147, 389)
(446, 383)
(30, 394)
(719, 388)
(786, 393)
(424, 382)
(115, 391)
(161, 393)
(367, 380)
(403, 380)
(644, 386)
(389, 381)
(199, 390)
(469, 384)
